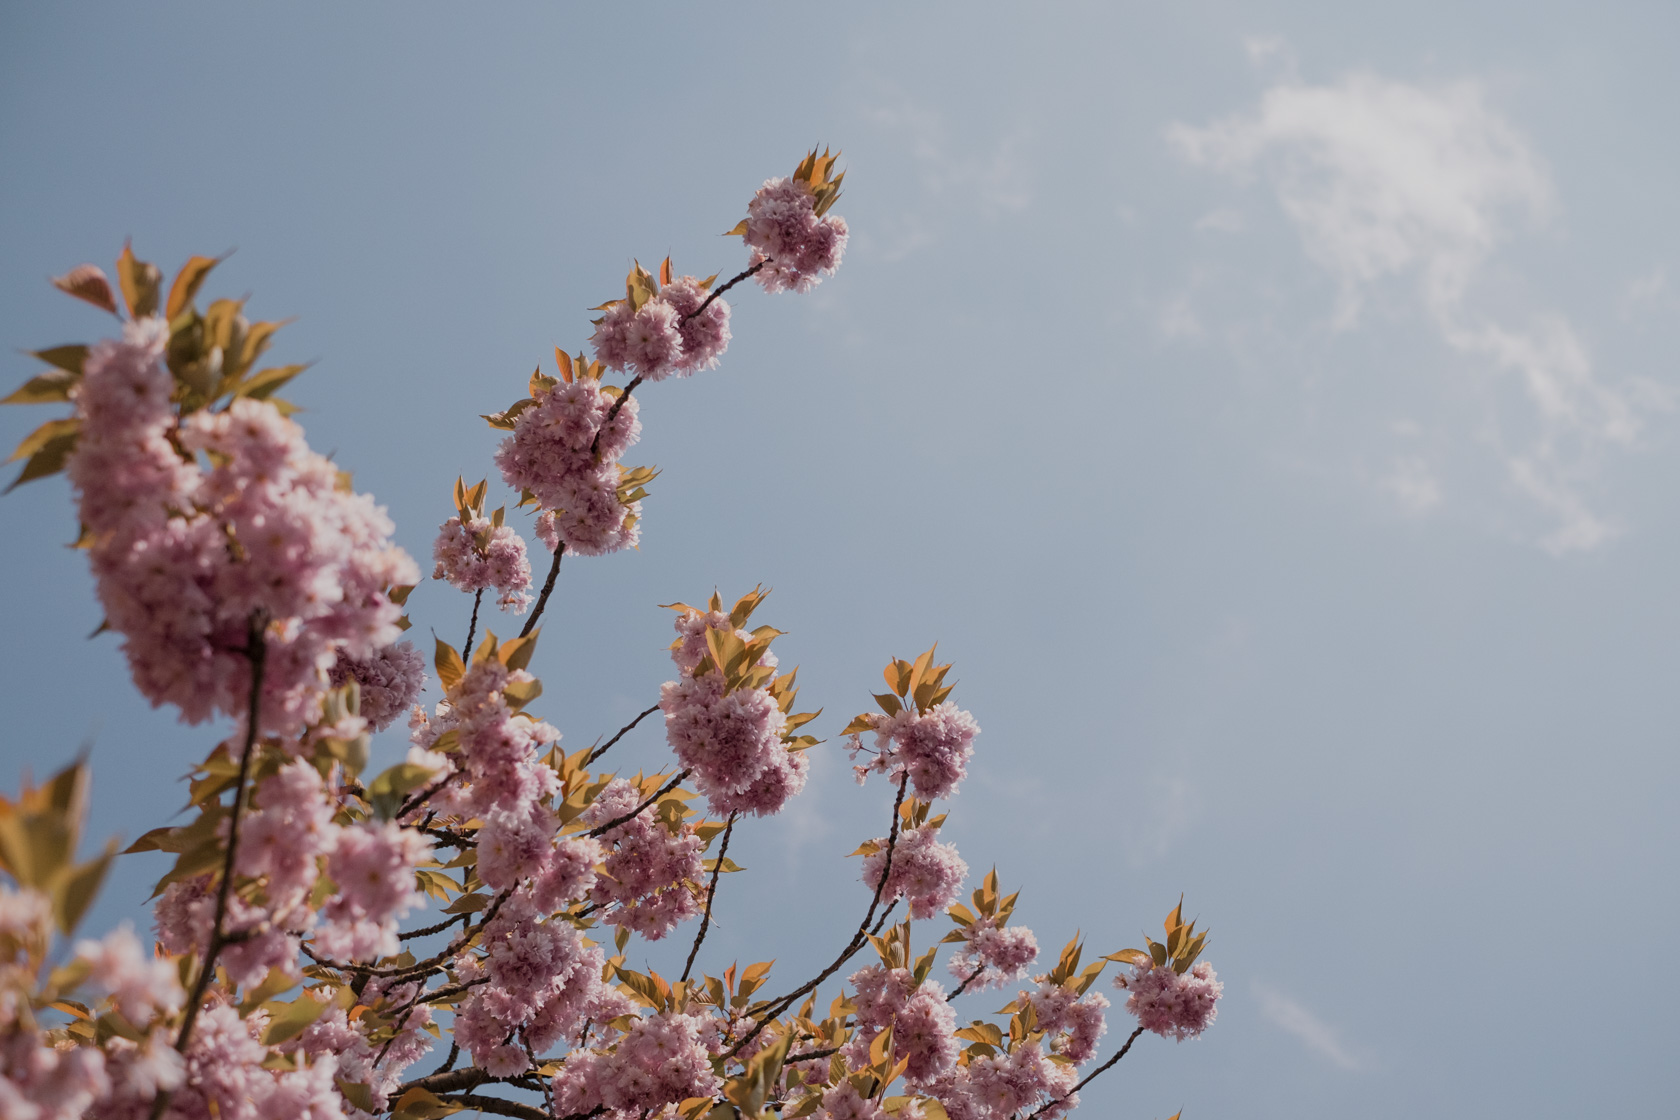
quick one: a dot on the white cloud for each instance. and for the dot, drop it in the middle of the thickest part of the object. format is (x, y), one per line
(1317, 1035)
(1413, 484)
(1173, 807)
(1222, 220)
(1178, 320)
(1384, 180)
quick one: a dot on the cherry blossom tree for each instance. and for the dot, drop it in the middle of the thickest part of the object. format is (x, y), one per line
(324, 929)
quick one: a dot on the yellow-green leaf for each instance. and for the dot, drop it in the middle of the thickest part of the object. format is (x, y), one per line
(140, 282)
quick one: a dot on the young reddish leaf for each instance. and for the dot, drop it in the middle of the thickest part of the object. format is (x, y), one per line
(87, 282)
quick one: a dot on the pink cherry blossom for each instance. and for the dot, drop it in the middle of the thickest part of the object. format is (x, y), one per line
(479, 556)
(645, 341)
(1171, 1004)
(927, 874)
(389, 681)
(796, 247)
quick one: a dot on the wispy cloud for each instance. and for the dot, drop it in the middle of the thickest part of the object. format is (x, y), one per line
(1384, 179)
(1314, 1033)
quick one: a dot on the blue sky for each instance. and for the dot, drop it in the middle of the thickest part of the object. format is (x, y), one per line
(1270, 408)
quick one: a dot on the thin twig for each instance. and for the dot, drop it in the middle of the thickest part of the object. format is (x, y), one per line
(711, 893)
(1092, 1076)
(601, 750)
(972, 977)
(444, 1081)
(612, 414)
(418, 799)
(472, 627)
(449, 1062)
(500, 1106)
(810, 1056)
(547, 590)
(655, 796)
(427, 931)
(256, 650)
(733, 280)
(859, 939)
(546, 1085)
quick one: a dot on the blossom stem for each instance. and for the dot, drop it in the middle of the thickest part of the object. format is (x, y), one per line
(711, 893)
(500, 1106)
(425, 795)
(612, 414)
(427, 931)
(472, 627)
(730, 283)
(547, 1086)
(256, 650)
(632, 814)
(599, 751)
(547, 590)
(1092, 1076)
(972, 977)
(859, 939)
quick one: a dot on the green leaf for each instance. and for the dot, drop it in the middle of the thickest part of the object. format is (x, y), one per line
(46, 388)
(288, 1020)
(187, 282)
(450, 667)
(74, 891)
(357, 1094)
(140, 282)
(49, 460)
(45, 434)
(266, 382)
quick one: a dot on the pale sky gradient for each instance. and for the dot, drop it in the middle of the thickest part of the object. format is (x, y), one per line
(1272, 409)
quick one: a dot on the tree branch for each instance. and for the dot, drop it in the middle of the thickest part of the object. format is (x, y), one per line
(859, 939)
(612, 414)
(972, 977)
(632, 814)
(623, 731)
(472, 627)
(547, 590)
(711, 893)
(1092, 1076)
(732, 281)
(500, 1106)
(256, 650)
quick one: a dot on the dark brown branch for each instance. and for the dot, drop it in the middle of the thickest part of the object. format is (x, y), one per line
(859, 939)
(632, 814)
(612, 414)
(449, 1062)
(544, 1085)
(623, 731)
(1092, 1076)
(472, 627)
(730, 283)
(972, 977)
(444, 1081)
(256, 650)
(418, 799)
(811, 1055)
(500, 1106)
(547, 590)
(427, 931)
(711, 893)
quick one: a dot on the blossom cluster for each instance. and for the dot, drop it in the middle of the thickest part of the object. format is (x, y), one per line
(657, 332)
(925, 873)
(793, 244)
(1170, 1003)
(564, 452)
(476, 555)
(194, 528)
(735, 741)
(244, 574)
